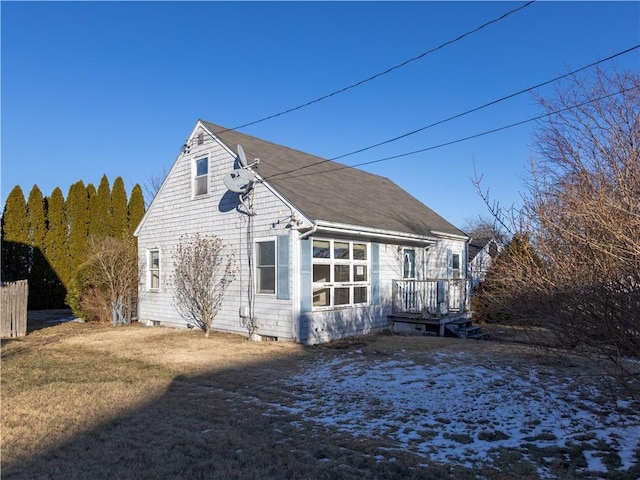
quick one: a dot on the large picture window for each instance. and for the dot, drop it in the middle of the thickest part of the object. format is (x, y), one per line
(153, 273)
(201, 177)
(340, 273)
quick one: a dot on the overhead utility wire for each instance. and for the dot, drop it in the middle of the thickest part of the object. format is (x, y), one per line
(389, 70)
(440, 122)
(488, 132)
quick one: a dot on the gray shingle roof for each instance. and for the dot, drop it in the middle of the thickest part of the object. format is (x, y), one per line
(333, 192)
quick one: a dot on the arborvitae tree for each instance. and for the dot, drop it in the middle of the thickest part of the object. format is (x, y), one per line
(15, 237)
(101, 224)
(136, 208)
(94, 219)
(77, 210)
(119, 208)
(14, 219)
(39, 269)
(56, 246)
(36, 218)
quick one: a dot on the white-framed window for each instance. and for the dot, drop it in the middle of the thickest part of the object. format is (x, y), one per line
(201, 176)
(409, 264)
(153, 269)
(341, 273)
(454, 265)
(266, 267)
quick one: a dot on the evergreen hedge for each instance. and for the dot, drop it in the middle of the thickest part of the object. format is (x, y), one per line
(44, 240)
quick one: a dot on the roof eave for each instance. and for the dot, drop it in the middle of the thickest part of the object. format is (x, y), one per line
(322, 226)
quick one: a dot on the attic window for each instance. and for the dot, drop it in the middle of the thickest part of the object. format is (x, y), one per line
(200, 138)
(201, 177)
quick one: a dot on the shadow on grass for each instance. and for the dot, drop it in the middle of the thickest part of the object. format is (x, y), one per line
(220, 425)
(39, 319)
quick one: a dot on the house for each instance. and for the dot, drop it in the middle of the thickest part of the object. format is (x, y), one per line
(324, 251)
(481, 255)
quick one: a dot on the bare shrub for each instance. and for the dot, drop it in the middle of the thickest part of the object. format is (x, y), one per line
(96, 305)
(107, 282)
(573, 265)
(202, 273)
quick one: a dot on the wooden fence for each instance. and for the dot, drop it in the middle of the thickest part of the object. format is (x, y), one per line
(13, 309)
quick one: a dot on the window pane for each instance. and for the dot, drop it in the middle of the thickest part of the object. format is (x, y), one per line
(321, 273)
(266, 280)
(154, 269)
(341, 273)
(201, 185)
(202, 167)
(341, 250)
(266, 253)
(321, 249)
(455, 260)
(321, 297)
(409, 269)
(341, 296)
(359, 273)
(360, 295)
(359, 251)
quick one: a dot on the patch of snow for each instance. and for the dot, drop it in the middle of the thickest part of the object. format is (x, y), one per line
(594, 461)
(459, 411)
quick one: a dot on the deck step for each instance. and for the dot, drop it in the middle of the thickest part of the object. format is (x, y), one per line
(472, 331)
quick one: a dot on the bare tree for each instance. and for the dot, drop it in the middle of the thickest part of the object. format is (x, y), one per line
(152, 185)
(202, 273)
(576, 266)
(109, 279)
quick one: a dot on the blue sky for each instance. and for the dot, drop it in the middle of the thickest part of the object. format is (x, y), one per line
(93, 88)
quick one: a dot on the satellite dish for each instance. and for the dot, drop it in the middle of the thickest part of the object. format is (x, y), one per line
(239, 181)
(242, 157)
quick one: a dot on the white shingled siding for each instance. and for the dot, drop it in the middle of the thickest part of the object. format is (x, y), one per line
(175, 212)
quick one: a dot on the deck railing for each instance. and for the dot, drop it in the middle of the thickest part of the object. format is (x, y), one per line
(433, 297)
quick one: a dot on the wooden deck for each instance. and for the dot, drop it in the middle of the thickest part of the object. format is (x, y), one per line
(456, 324)
(433, 307)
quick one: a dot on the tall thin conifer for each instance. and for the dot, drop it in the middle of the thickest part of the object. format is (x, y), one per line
(15, 237)
(101, 224)
(120, 225)
(77, 210)
(36, 218)
(136, 208)
(39, 269)
(56, 246)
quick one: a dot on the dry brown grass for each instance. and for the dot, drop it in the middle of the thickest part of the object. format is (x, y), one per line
(91, 401)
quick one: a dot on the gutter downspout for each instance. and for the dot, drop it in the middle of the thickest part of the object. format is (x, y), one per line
(313, 230)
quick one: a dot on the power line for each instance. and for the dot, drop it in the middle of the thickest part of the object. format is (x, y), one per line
(467, 112)
(389, 70)
(487, 132)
